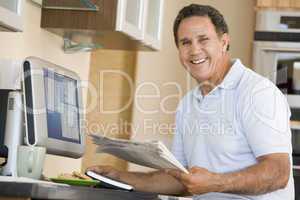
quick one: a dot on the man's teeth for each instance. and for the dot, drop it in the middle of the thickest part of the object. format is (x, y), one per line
(198, 61)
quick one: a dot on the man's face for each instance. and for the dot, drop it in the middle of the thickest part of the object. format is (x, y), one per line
(201, 50)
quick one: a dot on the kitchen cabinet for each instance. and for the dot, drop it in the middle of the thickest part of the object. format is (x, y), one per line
(130, 17)
(295, 3)
(153, 22)
(264, 3)
(280, 4)
(11, 15)
(116, 24)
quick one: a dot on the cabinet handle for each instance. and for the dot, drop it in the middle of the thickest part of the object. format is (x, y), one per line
(85, 5)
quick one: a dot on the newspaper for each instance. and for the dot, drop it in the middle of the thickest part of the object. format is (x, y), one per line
(152, 154)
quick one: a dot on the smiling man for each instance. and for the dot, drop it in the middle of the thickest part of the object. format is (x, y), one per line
(232, 130)
(202, 50)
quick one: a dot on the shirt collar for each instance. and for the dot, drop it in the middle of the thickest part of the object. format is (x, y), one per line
(197, 93)
(233, 76)
(230, 81)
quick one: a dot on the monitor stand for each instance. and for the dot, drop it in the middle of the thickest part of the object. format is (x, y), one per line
(13, 131)
(3, 109)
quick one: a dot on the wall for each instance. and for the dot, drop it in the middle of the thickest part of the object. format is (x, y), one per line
(160, 75)
(110, 106)
(240, 17)
(34, 41)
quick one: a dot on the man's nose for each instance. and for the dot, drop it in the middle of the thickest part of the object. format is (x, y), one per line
(195, 48)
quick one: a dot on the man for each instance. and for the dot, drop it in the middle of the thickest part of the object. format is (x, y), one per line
(232, 131)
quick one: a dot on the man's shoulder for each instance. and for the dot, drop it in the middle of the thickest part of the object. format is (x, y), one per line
(258, 91)
(255, 89)
(251, 77)
(251, 81)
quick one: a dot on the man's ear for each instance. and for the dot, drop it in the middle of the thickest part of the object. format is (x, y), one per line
(225, 41)
(224, 48)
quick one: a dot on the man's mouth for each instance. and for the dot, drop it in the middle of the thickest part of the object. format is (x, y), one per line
(198, 61)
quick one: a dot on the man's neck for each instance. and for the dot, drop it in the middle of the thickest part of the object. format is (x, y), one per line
(209, 85)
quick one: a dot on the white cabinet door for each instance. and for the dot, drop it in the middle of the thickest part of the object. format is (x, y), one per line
(11, 5)
(130, 18)
(153, 23)
(141, 20)
(11, 15)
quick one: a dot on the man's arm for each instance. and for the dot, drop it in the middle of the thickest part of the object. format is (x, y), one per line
(156, 182)
(269, 174)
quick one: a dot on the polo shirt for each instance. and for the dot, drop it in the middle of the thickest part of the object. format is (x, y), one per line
(242, 118)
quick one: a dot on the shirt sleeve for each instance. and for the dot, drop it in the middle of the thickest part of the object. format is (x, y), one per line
(177, 146)
(265, 120)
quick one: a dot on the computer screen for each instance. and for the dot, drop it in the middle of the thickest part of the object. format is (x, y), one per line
(61, 106)
(53, 108)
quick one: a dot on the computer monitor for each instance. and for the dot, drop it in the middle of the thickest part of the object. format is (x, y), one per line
(53, 108)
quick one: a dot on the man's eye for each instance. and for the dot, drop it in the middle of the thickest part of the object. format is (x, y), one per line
(185, 43)
(203, 39)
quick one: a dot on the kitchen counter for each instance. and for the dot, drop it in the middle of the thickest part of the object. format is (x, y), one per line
(43, 190)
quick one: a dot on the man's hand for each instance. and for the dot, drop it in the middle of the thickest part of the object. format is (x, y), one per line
(270, 173)
(198, 181)
(156, 182)
(106, 171)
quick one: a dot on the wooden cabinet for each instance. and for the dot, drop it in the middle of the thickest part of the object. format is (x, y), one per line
(264, 3)
(278, 4)
(295, 3)
(11, 15)
(115, 94)
(118, 24)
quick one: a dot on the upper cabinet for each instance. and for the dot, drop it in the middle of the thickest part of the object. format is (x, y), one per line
(114, 24)
(130, 17)
(11, 15)
(153, 21)
(294, 4)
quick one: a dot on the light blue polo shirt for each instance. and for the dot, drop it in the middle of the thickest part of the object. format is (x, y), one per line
(244, 117)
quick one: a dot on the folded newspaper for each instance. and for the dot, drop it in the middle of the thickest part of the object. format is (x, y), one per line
(152, 154)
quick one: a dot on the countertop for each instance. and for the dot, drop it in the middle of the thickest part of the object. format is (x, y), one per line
(43, 190)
